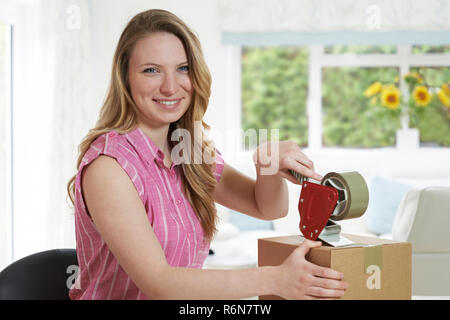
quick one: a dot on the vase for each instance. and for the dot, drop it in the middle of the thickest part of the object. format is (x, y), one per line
(407, 138)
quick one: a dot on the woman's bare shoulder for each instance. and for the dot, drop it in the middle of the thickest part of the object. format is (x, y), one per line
(106, 186)
(101, 171)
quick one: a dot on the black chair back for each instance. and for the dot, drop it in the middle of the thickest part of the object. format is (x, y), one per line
(40, 276)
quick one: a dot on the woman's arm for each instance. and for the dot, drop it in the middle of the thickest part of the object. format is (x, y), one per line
(266, 198)
(120, 217)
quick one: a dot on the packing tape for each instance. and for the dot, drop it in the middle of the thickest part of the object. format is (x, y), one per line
(353, 194)
(373, 256)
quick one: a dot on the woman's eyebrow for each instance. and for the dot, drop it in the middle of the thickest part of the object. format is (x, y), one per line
(158, 65)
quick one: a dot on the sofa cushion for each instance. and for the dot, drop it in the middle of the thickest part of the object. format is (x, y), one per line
(384, 198)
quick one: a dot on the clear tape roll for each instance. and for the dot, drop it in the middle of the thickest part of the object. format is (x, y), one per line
(353, 194)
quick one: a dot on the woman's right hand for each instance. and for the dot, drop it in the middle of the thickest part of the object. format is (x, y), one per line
(298, 278)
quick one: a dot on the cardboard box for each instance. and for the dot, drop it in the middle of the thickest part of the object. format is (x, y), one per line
(380, 271)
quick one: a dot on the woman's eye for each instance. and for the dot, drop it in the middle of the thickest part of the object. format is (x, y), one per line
(184, 68)
(150, 70)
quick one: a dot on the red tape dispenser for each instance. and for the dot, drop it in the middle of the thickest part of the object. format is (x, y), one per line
(338, 196)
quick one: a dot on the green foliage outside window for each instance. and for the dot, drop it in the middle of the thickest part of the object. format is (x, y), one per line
(274, 91)
(349, 120)
(430, 49)
(359, 49)
(434, 121)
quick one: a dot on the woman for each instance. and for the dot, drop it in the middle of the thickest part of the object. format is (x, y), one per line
(145, 214)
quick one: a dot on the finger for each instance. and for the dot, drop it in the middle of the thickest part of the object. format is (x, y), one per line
(328, 283)
(327, 273)
(303, 159)
(303, 249)
(308, 297)
(296, 165)
(324, 293)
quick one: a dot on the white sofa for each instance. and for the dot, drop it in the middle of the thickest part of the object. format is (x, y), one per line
(422, 219)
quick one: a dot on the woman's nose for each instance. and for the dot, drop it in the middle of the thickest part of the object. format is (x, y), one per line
(169, 86)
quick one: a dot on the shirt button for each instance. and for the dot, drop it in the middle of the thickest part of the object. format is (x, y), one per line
(112, 134)
(178, 202)
(189, 235)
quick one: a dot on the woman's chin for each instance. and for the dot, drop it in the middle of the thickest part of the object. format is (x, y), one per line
(169, 118)
(157, 116)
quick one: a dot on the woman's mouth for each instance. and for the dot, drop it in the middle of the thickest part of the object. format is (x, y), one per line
(168, 103)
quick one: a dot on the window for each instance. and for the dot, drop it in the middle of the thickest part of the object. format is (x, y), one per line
(5, 143)
(315, 95)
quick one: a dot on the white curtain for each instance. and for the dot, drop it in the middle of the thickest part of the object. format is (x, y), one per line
(67, 26)
(62, 81)
(51, 92)
(333, 15)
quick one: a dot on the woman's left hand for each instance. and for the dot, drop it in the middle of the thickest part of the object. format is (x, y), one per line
(279, 157)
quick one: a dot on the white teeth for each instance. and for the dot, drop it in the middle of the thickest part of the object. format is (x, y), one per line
(168, 103)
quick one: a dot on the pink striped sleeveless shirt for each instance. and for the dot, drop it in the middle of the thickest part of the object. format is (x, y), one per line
(174, 222)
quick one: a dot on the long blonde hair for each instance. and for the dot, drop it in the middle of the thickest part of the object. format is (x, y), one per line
(120, 113)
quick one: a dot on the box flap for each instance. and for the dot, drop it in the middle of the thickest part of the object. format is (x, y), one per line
(296, 240)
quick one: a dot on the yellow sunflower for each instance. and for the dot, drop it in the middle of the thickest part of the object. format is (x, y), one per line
(390, 97)
(421, 96)
(445, 99)
(373, 89)
(446, 88)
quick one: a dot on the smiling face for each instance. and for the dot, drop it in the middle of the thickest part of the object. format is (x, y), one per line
(159, 80)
